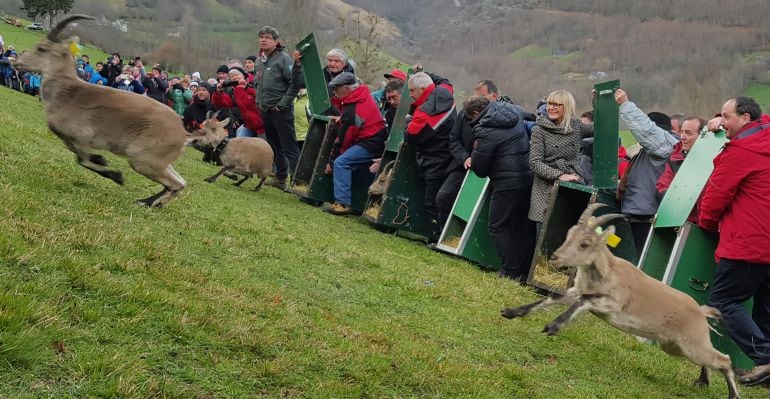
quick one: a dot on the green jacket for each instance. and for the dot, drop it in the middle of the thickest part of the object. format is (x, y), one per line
(180, 99)
(301, 123)
(274, 81)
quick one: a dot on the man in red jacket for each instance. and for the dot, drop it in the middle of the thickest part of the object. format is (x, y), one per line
(361, 137)
(736, 202)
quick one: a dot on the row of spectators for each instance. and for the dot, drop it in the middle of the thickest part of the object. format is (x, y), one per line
(523, 153)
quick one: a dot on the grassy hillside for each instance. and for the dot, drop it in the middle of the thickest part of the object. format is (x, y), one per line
(23, 39)
(761, 93)
(228, 293)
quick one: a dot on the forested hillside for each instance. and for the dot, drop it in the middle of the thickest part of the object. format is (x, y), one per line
(676, 56)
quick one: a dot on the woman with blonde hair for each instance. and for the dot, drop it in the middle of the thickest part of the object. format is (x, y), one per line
(554, 150)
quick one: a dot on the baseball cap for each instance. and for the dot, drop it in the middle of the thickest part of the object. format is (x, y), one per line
(396, 74)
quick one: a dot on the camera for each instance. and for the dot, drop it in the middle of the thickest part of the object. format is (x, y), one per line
(230, 83)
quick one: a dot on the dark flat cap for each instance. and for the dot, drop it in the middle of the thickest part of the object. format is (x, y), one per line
(343, 79)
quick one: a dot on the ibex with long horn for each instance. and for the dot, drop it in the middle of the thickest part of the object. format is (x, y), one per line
(626, 298)
(90, 117)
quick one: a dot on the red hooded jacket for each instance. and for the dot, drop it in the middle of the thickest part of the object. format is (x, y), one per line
(244, 99)
(736, 200)
(360, 123)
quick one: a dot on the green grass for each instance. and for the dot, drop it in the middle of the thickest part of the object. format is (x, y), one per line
(761, 93)
(626, 138)
(228, 293)
(23, 39)
(533, 51)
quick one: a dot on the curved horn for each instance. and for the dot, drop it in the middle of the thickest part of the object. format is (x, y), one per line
(590, 209)
(606, 218)
(53, 35)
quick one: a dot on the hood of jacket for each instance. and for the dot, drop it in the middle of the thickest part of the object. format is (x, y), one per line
(757, 143)
(498, 115)
(436, 99)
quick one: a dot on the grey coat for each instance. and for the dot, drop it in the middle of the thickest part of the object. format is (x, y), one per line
(553, 152)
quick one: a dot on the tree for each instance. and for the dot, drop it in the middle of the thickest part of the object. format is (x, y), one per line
(49, 8)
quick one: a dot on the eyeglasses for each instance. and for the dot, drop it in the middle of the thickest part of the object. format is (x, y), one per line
(554, 105)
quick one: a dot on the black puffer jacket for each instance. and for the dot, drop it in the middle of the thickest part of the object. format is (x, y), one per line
(461, 140)
(501, 146)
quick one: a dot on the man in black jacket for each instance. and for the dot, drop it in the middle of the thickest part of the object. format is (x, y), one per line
(501, 152)
(155, 86)
(428, 131)
(461, 145)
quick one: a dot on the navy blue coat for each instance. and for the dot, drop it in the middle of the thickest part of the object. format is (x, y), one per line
(501, 146)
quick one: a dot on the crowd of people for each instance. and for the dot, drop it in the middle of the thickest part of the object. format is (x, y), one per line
(523, 153)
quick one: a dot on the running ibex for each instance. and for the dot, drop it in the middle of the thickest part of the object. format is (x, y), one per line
(90, 117)
(246, 156)
(628, 299)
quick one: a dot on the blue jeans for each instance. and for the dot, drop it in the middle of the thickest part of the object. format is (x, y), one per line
(735, 282)
(354, 158)
(243, 131)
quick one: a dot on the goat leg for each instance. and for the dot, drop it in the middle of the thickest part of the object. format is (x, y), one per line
(214, 178)
(239, 182)
(567, 299)
(261, 181)
(91, 162)
(523, 310)
(173, 184)
(703, 379)
(581, 304)
(150, 201)
(97, 159)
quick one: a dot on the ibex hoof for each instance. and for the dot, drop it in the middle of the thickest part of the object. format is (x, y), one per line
(551, 330)
(512, 313)
(117, 177)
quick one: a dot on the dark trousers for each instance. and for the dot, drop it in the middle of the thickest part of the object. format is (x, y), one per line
(432, 185)
(446, 195)
(640, 228)
(279, 130)
(735, 282)
(511, 230)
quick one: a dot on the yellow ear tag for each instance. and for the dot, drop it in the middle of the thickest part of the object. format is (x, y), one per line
(75, 49)
(612, 240)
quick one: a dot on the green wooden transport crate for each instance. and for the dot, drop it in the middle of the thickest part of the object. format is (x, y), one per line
(679, 253)
(465, 233)
(402, 207)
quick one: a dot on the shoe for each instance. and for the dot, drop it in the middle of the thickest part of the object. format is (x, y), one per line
(756, 376)
(338, 209)
(277, 183)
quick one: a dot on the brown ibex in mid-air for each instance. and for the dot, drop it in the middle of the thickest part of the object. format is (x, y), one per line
(630, 300)
(90, 117)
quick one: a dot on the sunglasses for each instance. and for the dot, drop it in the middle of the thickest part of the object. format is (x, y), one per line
(554, 105)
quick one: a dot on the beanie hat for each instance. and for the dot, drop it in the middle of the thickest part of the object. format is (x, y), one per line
(662, 120)
(238, 69)
(223, 68)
